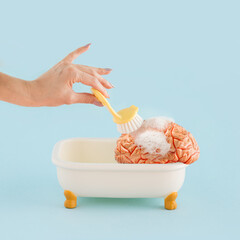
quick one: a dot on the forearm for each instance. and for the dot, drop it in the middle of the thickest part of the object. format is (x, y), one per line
(14, 90)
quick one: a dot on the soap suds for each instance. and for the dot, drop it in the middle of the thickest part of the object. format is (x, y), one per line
(153, 142)
(159, 123)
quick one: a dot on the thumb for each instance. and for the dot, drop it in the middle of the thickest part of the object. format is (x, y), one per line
(85, 98)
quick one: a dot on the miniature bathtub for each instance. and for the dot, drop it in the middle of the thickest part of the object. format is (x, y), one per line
(86, 168)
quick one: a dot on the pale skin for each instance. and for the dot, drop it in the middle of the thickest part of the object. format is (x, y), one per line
(54, 88)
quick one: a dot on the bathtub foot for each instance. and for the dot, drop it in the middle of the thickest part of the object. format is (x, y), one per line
(71, 199)
(170, 203)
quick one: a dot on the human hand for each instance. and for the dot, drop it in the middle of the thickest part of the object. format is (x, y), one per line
(54, 88)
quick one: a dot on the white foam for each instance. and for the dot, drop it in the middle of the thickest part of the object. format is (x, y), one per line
(152, 140)
(159, 123)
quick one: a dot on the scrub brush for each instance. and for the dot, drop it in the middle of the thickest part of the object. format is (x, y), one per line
(127, 119)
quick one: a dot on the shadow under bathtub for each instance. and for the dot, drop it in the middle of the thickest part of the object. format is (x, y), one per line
(153, 203)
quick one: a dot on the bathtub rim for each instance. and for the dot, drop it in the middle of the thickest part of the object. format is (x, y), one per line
(58, 162)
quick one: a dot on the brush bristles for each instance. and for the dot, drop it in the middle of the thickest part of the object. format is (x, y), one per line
(131, 126)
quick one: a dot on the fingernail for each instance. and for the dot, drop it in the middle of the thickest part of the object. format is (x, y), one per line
(97, 103)
(108, 69)
(112, 86)
(87, 45)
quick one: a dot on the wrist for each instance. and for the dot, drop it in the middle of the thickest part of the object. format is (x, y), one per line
(34, 93)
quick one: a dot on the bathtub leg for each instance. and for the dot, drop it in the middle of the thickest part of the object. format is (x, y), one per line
(170, 203)
(71, 199)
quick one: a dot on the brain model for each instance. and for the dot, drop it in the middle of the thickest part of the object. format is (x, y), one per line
(158, 140)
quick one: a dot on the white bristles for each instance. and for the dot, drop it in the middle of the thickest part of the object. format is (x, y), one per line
(130, 126)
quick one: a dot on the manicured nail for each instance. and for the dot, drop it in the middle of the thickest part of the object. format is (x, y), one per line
(112, 86)
(87, 45)
(108, 69)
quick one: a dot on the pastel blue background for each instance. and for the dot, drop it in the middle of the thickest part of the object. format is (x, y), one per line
(173, 58)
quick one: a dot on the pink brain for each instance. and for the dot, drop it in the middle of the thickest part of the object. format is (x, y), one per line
(183, 148)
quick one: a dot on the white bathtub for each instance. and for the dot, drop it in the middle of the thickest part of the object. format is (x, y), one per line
(86, 168)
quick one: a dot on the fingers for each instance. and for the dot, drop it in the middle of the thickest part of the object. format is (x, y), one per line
(89, 80)
(103, 81)
(93, 73)
(101, 71)
(85, 98)
(73, 55)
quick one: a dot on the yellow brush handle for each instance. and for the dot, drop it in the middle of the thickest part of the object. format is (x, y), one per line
(105, 102)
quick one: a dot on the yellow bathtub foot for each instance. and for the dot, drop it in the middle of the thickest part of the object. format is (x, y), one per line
(71, 199)
(170, 203)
